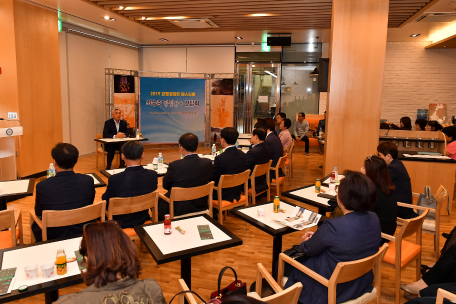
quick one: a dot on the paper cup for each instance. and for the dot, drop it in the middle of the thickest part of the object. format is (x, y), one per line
(31, 271)
(260, 212)
(47, 269)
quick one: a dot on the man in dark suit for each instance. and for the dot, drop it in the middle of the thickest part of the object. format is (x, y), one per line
(65, 191)
(134, 181)
(114, 128)
(259, 154)
(191, 171)
(274, 144)
(231, 161)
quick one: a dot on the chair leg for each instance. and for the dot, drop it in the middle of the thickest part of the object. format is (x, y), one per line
(220, 216)
(253, 198)
(398, 283)
(96, 154)
(418, 267)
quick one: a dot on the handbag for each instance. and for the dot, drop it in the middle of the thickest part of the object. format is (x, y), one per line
(295, 253)
(236, 287)
(189, 291)
(427, 200)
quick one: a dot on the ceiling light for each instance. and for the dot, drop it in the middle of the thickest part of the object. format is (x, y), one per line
(238, 37)
(106, 17)
(163, 39)
(121, 7)
(271, 74)
(178, 17)
(309, 89)
(259, 15)
(414, 35)
(143, 18)
(444, 46)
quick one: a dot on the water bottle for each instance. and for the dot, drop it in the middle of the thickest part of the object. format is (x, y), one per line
(336, 175)
(160, 162)
(237, 144)
(51, 170)
(137, 133)
(213, 150)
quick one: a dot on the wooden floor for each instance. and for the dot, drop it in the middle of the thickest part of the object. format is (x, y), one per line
(256, 248)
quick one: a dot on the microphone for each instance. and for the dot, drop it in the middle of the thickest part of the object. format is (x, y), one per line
(389, 128)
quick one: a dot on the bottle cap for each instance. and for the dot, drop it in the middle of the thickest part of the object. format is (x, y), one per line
(318, 179)
(22, 288)
(167, 216)
(276, 197)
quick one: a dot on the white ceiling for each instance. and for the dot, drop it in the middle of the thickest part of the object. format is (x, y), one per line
(87, 15)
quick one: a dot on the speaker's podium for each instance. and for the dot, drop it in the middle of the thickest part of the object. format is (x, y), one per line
(8, 152)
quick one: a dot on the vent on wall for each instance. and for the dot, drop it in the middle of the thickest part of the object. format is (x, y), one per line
(194, 23)
(437, 17)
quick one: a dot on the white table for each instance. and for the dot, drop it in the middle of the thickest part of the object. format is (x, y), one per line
(244, 136)
(244, 142)
(110, 172)
(15, 189)
(307, 195)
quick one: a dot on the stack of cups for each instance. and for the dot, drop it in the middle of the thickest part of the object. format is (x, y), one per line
(155, 163)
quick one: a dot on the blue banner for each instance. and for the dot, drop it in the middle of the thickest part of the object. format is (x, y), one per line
(171, 107)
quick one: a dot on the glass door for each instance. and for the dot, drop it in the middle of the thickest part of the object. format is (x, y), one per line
(258, 93)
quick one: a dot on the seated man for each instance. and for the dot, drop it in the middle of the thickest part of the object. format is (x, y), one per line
(274, 144)
(114, 128)
(259, 154)
(65, 191)
(279, 119)
(301, 128)
(191, 171)
(231, 161)
(134, 181)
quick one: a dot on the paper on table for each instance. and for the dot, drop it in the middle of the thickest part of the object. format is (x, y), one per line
(270, 218)
(117, 139)
(95, 181)
(111, 172)
(245, 136)
(427, 156)
(244, 142)
(40, 254)
(12, 187)
(310, 194)
(301, 219)
(175, 241)
(339, 177)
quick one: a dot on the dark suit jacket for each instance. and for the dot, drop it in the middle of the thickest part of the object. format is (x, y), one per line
(258, 155)
(274, 144)
(401, 179)
(386, 209)
(191, 171)
(110, 129)
(322, 125)
(350, 237)
(232, 161)
(65, 191)
(134, 181)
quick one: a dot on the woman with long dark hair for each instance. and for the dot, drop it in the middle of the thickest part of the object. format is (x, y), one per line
(405, 124)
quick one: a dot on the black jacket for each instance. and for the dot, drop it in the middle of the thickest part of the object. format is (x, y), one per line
(110, 129)
(191, 171)
(401, 180)
(274, 144)
(386, 209)
(258, 155)
(65, 191)
(232, 161)
(134, 181)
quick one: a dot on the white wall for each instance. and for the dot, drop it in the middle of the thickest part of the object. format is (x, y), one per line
(83, 62)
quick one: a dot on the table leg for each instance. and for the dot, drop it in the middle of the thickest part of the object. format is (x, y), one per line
(321, 211)
(51, 296)
(2, 204)
(276, 250)
(186, 273)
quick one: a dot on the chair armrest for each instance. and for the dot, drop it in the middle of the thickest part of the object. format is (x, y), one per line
(182, 286)
(415, 194)
(263, 273)
(272, 168)
(285, 258)
(388, 237)
(34, 218)
(415, 207)
(164, 198)
(17, 216)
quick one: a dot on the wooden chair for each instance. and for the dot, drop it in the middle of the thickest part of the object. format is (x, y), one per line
(100, 148)
(187, 194)
(277, 181)
(402, 253)
(344, 272)
(61, 218)
(13, 222)
(229, 181)
(127, 205)
(443, 294)
(259, 170)
(289, 161)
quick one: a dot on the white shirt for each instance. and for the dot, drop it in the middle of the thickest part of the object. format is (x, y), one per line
(228, 147)
(117, 126)
(269, 133)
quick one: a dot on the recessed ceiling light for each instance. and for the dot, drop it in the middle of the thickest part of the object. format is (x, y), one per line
(106, 17)
(414, 35)
(143, 18)
(177, 17)
(121, 7)
(260, 15)
(238, 37)
(444, 46)
(163, 39)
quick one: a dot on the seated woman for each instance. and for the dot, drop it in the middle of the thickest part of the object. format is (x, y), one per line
(450, 135)
(386, 205)
(400, 178)
(405, 124)
(284, 135)
(112, 269)
(420, 124)
(354, 236)
(433, 126)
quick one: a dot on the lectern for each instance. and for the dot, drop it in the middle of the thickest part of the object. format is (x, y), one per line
(8, 152)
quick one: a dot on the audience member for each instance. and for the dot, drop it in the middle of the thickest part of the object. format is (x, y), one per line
(284, 135)
(384, 125)
(433, 126)
(301, 128)
(280, 117)
(400, 178)
(65, 191)
(114, 128)
(191, 171)
(259, 154)
(113, 269)
(231, 161)
(450, 135)
(428, 295)
(405, 124)
(134, 181)
(420, 124)
(356, 235)
(322, 124)
(274, 144)
(386, 204)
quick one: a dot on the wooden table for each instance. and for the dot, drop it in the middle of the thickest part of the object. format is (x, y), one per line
(15, 189)
(40, 253)
(177, 246)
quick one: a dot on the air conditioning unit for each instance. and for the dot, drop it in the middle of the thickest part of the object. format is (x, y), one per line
(437, 17)
(194, 23)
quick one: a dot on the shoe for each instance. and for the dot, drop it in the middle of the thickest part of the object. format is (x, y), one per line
(307, 153)
(409, 290)
(446, 235)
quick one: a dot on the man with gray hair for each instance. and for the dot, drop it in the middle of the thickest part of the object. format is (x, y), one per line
(114, 128)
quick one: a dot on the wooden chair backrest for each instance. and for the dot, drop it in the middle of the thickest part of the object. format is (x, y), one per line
(285, 151)
(187, 194)
(290, 149)
(289, 295)
(7, 221)
(98, 136)
(260, 170)
(60, 218)
(281, 162)
(233, 180)
(443, 294)
(440, 197)
(127, 205)
(412, 226)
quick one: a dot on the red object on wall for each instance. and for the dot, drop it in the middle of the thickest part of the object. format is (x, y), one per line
(0, 70)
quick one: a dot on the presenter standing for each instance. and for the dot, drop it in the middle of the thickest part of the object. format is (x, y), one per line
(115, 128)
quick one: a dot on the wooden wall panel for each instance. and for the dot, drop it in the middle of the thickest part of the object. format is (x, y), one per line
(38, 74)
(357, 57)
